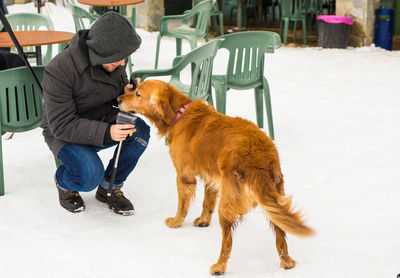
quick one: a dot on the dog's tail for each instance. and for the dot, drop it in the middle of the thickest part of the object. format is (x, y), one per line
(269, 194)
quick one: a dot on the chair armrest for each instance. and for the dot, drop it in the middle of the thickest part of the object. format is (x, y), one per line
(143, 74)
(177, 59)
(270, 50)
(164, 22)
(167, 18)
(274, 43)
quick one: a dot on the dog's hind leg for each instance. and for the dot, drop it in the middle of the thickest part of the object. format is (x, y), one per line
(210, 198)
(186, 184)
(228, 217)
(286, 261)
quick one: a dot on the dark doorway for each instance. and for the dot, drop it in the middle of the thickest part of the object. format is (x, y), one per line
(174, 7)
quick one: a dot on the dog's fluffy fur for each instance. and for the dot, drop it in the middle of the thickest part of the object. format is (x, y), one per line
(236, 160)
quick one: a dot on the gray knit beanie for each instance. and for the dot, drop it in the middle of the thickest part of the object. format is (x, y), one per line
(111, 39)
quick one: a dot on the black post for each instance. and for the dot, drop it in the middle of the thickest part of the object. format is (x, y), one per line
(39, 5)
(21, 53)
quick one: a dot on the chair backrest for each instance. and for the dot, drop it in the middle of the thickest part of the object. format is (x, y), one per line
(80, 15)
(202, 14)
(21, 100)
(29, 21)
(246, 3)
(246, 56)
(215, 4)
(32, 22)
(292, 8)
(201, 61)
(312, 6)
(250, 3)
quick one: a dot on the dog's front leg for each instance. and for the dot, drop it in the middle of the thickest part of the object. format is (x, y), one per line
(186, 191)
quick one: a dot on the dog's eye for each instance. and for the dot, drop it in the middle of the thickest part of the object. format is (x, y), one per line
(137, 93)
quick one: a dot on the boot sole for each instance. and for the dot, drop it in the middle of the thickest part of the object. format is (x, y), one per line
(77, 210)
(120, 212)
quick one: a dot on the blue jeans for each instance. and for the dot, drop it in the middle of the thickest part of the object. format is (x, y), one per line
(83, 170)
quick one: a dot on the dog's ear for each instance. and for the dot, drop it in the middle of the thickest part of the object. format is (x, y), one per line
(171, 100)
(167, 114)
(177, 98)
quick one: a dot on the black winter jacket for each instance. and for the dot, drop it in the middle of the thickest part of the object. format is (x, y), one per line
(79, 97)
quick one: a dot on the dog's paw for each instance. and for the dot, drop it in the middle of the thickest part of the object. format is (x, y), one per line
(287, 262)
(217, 269)
(172, 222)
(199, 222)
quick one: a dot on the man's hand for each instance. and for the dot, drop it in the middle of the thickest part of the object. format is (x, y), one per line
(119, 132)
(128, 87)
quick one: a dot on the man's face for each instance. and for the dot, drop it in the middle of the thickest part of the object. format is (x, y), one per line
(112, 66)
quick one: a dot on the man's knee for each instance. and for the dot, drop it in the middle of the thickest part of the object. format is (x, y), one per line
(89, 180)
(89, 176)
(84, 170)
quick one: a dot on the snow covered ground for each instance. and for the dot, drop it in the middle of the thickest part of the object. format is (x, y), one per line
(337, 126)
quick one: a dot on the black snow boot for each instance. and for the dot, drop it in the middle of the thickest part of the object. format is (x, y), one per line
(117, 202)
(71, 200)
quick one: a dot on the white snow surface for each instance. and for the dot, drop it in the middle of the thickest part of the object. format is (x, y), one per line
(337, 126)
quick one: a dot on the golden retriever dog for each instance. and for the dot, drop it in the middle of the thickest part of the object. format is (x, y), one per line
(236, 160)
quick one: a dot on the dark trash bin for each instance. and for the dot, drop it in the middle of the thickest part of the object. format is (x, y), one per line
(10, 60)
(384, 28)
(334, 31)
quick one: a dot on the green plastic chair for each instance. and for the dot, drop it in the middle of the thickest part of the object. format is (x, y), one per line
(81, 17)
(215, 15)
(97, 11)
(249, 5)
(31, 21)
(21, 104)
(274, 5)
(312, 9)
(246, 70)
(201, 61)
(201, 13)
(133, 16)
(293, 10)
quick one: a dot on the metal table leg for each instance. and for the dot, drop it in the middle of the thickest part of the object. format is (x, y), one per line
(38, 55)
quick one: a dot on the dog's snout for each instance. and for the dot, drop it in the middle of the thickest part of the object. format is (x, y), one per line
(119, 100)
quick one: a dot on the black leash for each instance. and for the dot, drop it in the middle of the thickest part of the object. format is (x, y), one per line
(21, 53)
(122, 118)
(116, 158)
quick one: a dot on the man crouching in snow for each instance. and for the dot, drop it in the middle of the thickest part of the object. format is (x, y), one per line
(80, 87)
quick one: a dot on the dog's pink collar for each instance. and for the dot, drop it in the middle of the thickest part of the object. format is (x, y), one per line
(180, 112)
